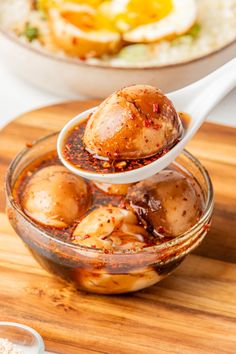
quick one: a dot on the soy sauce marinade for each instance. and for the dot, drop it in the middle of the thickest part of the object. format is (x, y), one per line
(76, 154)
(99, 198)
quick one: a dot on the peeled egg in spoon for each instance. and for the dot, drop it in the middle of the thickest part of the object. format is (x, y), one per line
(135, 122)
(114, 119)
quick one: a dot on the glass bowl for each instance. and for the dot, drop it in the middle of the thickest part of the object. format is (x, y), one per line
(91, 269)
(24, 338)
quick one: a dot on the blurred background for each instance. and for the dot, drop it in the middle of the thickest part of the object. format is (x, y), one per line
(57, 50)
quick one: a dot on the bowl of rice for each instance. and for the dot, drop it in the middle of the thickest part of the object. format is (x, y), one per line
(72, 47)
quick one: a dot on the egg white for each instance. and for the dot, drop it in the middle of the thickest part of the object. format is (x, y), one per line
(179, 21)
(76, 41)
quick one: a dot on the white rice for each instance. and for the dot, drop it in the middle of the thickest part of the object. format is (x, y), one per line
(217, 19)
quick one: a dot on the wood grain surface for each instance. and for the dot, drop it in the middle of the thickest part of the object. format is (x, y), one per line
(192, 311)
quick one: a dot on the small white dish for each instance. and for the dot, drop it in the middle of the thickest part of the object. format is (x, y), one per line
(23, 337)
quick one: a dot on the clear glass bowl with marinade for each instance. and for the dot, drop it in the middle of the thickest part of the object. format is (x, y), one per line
(107, 239)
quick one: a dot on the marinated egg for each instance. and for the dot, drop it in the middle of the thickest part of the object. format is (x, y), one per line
(118, 283)
(168, 203)
(136, 122)
(55, 197)
(156, 19)
(79, 32)
(129, 14)
(114, 189)
(92, 28)
(110, 228)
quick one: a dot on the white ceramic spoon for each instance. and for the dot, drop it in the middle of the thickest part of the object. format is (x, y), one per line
(197, 100)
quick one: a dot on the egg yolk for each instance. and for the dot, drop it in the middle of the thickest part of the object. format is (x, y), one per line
(94, 19)
(135, 13)
(43, 5)
(82, 20)
(141, 12)
(93, 3)
(87, 21)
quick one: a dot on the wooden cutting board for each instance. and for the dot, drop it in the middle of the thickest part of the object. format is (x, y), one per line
(192, 311)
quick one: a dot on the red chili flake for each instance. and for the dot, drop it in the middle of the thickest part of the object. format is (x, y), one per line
(93, 246)
(185, 199)
(157, 126)
(106, 251)
(86, 236)
(147, 123)
(155, 107)
(206, 227)
(80, 157)
(29, 145)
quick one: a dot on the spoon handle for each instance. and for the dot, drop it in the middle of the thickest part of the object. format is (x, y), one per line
(199, 98)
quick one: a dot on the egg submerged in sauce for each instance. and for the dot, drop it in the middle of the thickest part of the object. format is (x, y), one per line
(55, 197)
(168, 203)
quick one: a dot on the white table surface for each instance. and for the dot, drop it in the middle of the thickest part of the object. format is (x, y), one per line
(17, 97)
